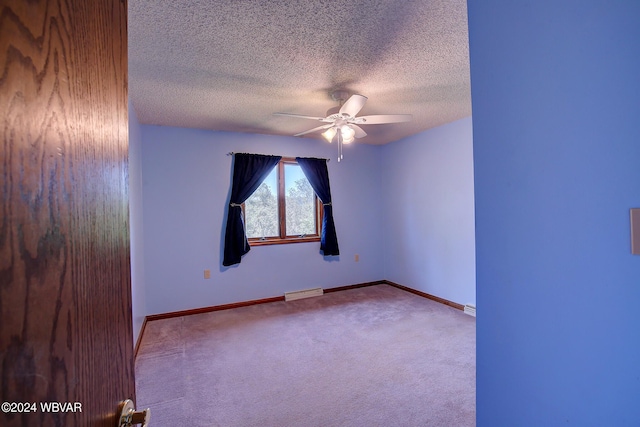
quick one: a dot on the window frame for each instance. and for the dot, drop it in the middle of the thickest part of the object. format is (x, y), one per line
(282, 238)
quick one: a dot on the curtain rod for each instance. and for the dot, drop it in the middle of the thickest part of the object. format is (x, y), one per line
(231, 153)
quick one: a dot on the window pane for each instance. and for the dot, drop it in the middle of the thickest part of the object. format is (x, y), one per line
(261, 209)
(299, 201)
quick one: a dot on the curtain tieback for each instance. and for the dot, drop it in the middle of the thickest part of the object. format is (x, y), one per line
(326, 204)
(235, 205)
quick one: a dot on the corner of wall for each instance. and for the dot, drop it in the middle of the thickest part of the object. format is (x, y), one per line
(138, 299)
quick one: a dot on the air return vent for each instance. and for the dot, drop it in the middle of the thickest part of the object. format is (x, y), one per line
(470, 310)
(305, 293)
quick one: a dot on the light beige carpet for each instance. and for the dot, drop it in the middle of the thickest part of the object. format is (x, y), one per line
(373, 356)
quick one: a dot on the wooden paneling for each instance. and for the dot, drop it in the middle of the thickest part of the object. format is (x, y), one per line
(65, 299)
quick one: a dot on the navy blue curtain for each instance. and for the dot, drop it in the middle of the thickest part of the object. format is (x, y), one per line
(249, 170)
(318, 175)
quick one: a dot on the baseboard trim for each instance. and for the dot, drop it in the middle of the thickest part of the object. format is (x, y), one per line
(247, 303)
(358, 285)
(213, 308)
(139, 340)
(426, 295)
(209, 309)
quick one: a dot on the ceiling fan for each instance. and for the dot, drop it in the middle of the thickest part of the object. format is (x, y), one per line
(343, 122)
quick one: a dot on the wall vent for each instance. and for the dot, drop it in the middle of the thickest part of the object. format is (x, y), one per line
(470, 310)
(305, 293)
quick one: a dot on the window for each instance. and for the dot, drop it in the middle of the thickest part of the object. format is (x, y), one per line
(284, 209)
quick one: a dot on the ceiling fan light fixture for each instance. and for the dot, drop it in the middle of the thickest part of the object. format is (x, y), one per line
(343, 121)
(329, 134)
(347, 133)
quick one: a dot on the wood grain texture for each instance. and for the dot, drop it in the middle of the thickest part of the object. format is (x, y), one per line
(65, 299)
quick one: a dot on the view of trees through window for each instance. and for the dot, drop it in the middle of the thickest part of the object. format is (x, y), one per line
(261, 209)
(261, 212)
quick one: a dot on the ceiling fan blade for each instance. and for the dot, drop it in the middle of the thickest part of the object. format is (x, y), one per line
(353, 105)
(300, 116)
(360, 133)
(383, 118)
(314, 129)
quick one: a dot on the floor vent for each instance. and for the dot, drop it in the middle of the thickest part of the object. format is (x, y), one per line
(470, 310)
(305, 293)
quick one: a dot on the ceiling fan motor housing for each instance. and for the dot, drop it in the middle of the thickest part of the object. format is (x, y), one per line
(340, 96)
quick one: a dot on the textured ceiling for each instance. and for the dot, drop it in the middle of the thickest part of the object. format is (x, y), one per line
(229, 64)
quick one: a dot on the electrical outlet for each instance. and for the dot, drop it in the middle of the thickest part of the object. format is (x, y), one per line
(207, 274)
(357, 258)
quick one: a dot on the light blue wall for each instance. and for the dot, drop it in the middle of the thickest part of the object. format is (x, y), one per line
(428, 212)
(138, 304)
(556, 118)
(186, 186)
